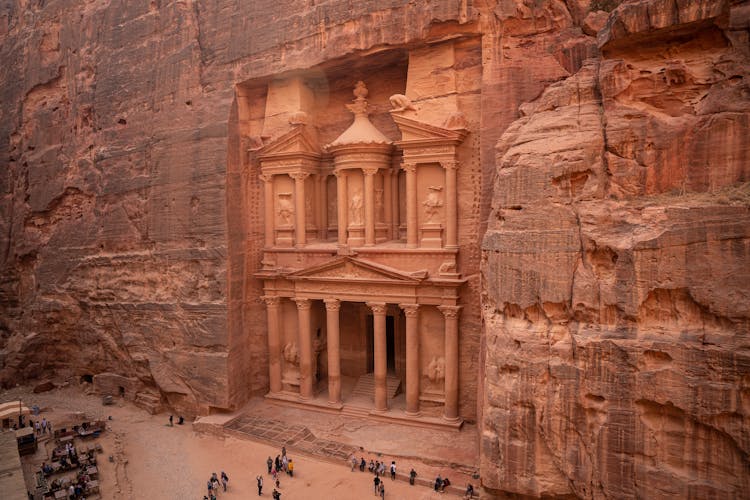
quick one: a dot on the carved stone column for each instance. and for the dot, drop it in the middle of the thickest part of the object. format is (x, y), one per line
(341, 206)
(395, 205)
(451, 361)
(269, 213)
(411, 311)
(381, 355)
(299, 207)
(305, 348)
(388, 203)
(274, 342)
(322, 183)
(369, 174)
(451, 203)
(411, 204)
(334, 352)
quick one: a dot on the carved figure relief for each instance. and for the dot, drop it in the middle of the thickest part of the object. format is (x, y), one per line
(291, 353)
(309, 218)
(401, 103)
(285, 209)
(436, 370)
(379, 206)
(318, 346)
(355, 208)
(432, 203)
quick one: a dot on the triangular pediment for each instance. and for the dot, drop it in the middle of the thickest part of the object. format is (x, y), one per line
(301, 139)
(416, 130)
(353, 269)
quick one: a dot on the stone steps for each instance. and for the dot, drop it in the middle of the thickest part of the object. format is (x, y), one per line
(365, 387)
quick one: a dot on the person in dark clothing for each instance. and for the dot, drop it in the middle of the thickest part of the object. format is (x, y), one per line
(412, 477)
(438, 483)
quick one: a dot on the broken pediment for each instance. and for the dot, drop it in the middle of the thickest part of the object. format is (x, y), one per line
(415, 130)
(301, 140)
(353, 269)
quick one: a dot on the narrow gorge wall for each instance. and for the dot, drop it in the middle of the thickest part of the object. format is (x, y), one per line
(616, 277)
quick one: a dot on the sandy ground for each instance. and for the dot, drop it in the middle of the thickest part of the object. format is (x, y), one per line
(151, 460)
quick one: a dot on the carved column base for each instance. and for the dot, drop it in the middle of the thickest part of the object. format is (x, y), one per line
(356, 236)
(431, 235)
(452, 420)
(381, 232)
(413, 413)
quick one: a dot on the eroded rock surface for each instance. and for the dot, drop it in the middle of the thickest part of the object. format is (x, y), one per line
(617, 297)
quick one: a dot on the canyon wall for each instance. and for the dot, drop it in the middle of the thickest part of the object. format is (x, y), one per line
(613, 159)
(616, 278)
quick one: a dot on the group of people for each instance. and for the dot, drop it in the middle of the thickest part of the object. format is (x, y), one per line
(213, 485)
(379, 468)
(277, 466)
(40, 426)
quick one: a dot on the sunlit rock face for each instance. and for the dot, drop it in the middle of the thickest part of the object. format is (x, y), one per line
(603, 201)
(615, 268)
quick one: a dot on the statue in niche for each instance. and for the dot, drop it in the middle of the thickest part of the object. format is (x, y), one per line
(285, 209)
(436, 370)
(308, 210)
(291, 353)
(432, 203)
(355, 208)
(379, 205)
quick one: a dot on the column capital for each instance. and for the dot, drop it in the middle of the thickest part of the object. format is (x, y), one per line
(410, 310)
(266, 177)
(377, 307)
(450, 311)
(302, 304)
(370, 170)
(409, 166)
(332, 304)
(299, 176)
(271, 300)
(449, 164)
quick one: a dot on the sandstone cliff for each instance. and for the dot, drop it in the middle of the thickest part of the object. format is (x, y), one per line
(616, 277)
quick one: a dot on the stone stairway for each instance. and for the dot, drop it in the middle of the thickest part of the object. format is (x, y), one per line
(360, 401)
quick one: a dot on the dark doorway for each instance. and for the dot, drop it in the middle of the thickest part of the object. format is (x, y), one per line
(390, 346)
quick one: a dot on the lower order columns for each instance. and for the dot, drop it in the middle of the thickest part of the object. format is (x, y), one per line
(412, 358)
(305, 349)
(334, 354)
(451, 361)
(381, 360)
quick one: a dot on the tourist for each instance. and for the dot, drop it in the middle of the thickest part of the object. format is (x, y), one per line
(290, 466)
(381, 469)
(180, 421)
(371, 466)
(215, 482)
(276, 495)
(354, 462)
(382, 490)
(284, 464)
(209, 486)
(224, 480)
(438, 482)
(38, 427)
(278, 483)
(44, 425)
(277, 462)
(259, 479)
(469, 492)
(171, 421)
(269, 463)
(362, 465)
(283, 451)
(412, 476)
(446, 483)
(393, 470)
(376, 484)
(71, 492)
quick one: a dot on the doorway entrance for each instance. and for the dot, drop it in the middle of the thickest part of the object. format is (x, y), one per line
(390, 344)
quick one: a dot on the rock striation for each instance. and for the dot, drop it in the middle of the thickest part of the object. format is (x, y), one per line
(608, 154)
(617, 297)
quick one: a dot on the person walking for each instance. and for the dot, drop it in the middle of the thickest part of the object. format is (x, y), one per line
(171, 420)
(290, 466)
(393, 470)
(259, 479)
(412, 476)
(269, 463)
(376, 484)
(382, 491)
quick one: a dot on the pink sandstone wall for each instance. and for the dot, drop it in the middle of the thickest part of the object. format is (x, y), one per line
(616, 268)
(614, 283)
